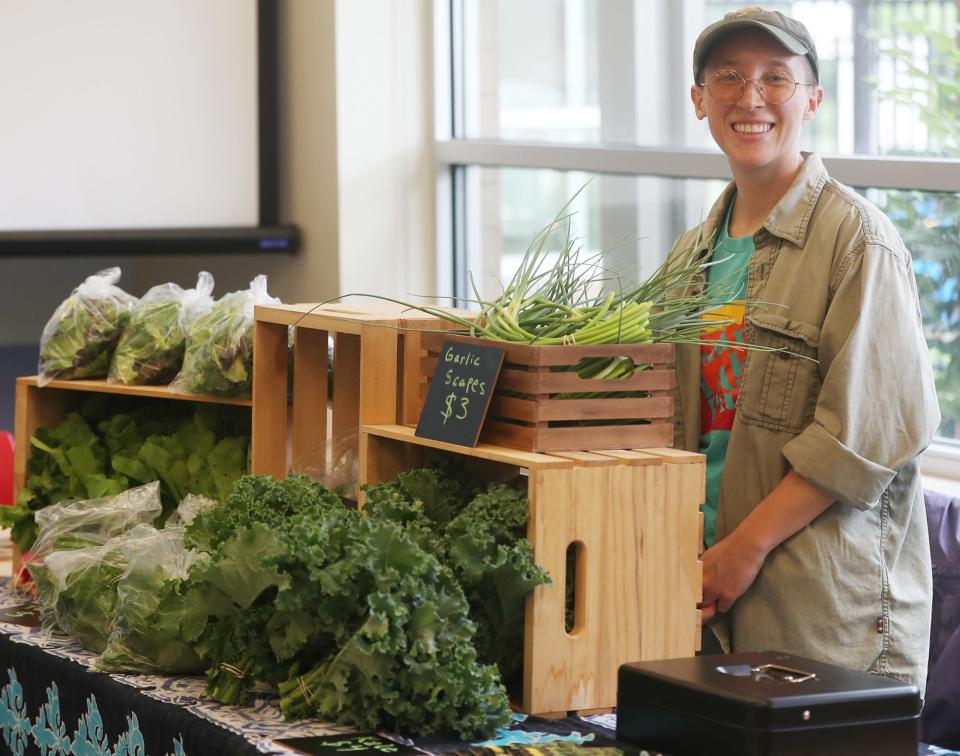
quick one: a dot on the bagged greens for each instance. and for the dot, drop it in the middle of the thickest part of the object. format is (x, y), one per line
(83, 526)
(95, 519)
(83, 598)
(81, 593)
(151, 348)
(79, 339)
(146, 636)
(219, 352)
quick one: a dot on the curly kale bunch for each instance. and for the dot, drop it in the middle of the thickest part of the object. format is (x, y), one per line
(479, 534)
(347, 616)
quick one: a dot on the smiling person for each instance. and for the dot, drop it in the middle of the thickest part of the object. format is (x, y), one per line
(815, 531)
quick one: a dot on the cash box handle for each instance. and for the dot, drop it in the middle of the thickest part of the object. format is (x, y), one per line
(789, 675)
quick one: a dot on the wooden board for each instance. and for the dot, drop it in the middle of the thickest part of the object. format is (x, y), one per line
(101, 386)
(269, 426)
(348, 317)
(480, 451)
(310, 378)
(345, 422)
(546, 439)
(540, 356)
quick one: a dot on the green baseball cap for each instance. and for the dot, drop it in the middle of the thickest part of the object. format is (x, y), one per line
(787, 31)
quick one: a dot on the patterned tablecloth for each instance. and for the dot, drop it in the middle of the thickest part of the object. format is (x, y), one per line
(52, 704)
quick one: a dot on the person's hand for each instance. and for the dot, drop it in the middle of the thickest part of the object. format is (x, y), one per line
(729, 568)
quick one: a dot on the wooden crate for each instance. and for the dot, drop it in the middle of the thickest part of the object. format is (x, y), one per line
(529, 411)
(634, 518)
(46, 407)
(376, 350)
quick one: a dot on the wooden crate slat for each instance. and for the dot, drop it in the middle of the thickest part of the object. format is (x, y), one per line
(630, 457)
(492, 452)
(540, 356)
(547, 410)
(590, 459)
(578, 438)
(346, 317)
(513, 378)
(345, 422)
(269, 422)
(378, 373)
(309, 441)
(685, 485)
(678, 456)
(557, 383)
(102, 386)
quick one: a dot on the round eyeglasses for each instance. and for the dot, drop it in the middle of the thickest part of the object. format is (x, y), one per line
(775, 85)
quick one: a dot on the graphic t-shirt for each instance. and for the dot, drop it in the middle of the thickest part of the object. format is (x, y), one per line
(721, 367)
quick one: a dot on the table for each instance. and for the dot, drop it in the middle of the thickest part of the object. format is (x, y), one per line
(52, 704)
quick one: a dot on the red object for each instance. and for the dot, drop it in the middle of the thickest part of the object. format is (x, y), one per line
(6, 468)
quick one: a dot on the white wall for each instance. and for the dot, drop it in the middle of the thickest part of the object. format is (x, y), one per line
(356, 172)
(385, 147)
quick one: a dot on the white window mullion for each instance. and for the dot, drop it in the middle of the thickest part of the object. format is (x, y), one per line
(884, 172)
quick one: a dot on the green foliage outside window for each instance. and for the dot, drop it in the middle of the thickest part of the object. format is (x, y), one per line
(930, 221)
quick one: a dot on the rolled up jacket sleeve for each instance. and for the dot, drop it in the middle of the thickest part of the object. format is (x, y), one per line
(877, 406)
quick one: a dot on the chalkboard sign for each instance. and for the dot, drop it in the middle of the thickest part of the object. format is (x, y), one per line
(460, 393)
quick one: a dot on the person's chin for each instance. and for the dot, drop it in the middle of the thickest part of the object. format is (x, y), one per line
(752, 156)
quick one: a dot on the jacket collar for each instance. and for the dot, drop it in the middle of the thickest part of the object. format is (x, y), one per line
(791, 216)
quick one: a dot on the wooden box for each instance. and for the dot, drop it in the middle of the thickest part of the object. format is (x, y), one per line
(46, 407)
(532, 408)
(375, 346)
(633, 520)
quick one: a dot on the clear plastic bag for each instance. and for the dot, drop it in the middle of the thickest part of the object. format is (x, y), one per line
(79, 339)
(188, 509)
(81, 525)
(151, 348)
(219, 352)
(83, 595)
(147, 636)
(78, 524)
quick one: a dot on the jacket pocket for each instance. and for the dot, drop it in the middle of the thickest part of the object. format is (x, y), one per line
(780, 388)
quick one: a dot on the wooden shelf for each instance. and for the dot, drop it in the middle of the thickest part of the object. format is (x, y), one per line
(350, 318)
(155, 392)
(489, 452)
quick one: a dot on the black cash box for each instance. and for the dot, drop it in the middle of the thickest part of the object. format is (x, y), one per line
(764, 703)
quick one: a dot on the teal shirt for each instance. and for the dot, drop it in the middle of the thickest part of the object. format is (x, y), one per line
(721, 368)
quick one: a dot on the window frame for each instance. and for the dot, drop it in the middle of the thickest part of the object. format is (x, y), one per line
(454, 153)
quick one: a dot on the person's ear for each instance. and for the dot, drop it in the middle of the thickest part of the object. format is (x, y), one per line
(696, 96)
(814, 101)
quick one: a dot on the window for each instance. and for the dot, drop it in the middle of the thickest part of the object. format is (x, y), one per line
(542, 96)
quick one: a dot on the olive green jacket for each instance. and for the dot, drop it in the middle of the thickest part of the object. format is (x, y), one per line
(854, 586)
